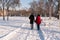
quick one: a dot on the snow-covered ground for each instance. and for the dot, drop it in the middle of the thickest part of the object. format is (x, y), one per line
(18, 28)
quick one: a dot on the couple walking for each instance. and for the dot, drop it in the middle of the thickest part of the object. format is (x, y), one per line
(37, 21)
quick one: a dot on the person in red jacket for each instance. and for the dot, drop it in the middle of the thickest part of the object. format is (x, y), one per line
(38, 21)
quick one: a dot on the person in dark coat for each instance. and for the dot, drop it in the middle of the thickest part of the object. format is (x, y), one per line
(38, 21)
(31, 17)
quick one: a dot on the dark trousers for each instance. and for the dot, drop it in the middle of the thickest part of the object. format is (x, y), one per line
(38, 27)
(31, 26)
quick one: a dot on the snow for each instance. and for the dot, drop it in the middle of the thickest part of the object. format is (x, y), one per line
(18, 28)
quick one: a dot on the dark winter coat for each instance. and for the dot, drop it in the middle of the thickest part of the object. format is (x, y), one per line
(31, 19)
(38, 20)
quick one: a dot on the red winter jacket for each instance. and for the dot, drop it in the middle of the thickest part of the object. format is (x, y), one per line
(38, 20)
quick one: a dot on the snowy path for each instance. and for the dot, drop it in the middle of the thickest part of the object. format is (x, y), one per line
(19, 29)
(23, 33)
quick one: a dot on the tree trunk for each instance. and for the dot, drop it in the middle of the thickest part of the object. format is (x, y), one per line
(45, 15)
(50, 13)
(3, 11)
(59, 16)
(7, 13)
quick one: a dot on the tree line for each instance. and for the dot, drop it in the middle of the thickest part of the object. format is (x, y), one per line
(45, 7)
(6, 4)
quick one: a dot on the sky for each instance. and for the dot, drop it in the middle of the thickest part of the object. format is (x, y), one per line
(25, 3)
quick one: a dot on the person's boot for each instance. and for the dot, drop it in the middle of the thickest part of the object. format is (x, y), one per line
(31, 27)
(38, 28)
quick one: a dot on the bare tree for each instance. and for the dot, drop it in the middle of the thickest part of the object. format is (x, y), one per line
(37, 6)
(2, 3)
(46, 8)
(8, 4)
(50, 8)
(33, 6)
(11, 3)
(41, 6)
(3, 9)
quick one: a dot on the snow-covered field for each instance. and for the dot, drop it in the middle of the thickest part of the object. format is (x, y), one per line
(18, 28)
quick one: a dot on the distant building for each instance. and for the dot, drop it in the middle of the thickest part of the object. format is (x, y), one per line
(10, 13)
(15, 12)
(1, 12)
